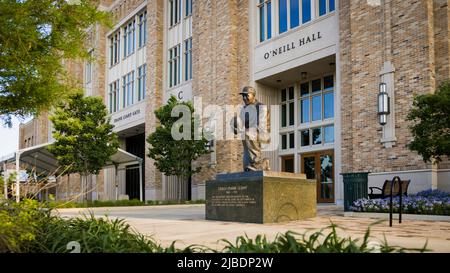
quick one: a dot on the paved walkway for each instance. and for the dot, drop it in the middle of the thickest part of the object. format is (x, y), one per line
(187, 225)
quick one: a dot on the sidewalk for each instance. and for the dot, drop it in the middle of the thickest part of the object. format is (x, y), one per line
(186, 224)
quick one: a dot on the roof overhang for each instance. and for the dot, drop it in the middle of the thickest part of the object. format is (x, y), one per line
(40, 158)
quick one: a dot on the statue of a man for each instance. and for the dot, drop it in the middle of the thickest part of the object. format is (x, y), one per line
(252, 124)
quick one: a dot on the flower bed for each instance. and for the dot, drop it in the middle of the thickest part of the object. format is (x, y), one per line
(426, 202)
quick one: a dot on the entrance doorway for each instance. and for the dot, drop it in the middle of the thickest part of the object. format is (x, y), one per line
(287, 164)
(320, 166)
(135, 145)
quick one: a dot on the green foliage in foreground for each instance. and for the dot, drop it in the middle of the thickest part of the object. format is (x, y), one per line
(323, 241)
(29, 227)
(120, 203)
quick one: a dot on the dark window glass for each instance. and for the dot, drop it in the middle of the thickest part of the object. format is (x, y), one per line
(305, 111)
(295, 16)
(283, 115)
(288, 164)
(322, 7)
(328, 132)
(261, 23)
(304, 138)
(328, 105)
(328, 82)
(292, 140)
(269, 20)
(306, 11)
(332, 7)
(284, 142)
(282, 7)
(291, 113)
(304, 89)
(316, 85)
(291, 93)
(316, 136)
(283, 95)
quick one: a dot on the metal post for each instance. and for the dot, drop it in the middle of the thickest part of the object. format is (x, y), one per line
(390, 203)
(116, 181)
(17, 177)
(141, 186)
(401, 199)
(5, 182)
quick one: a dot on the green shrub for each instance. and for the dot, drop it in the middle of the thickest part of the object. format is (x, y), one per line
(31, 227)
(317, 242)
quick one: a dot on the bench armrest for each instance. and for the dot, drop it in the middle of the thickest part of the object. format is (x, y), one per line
(371, 189)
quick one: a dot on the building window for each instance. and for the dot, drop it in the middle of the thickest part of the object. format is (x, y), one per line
(288, 141)
(143, 29)
(306, 11)
(316, 104)
(128, 90)
(188, 8)
(114, 97)
(265, 20)
(283, 15)
(142, 79)
(188, 59)
(317, 100)
(129, 39)
(175, 12)
(88, 68)
(174, 66)
(317, 136)
(287, 107)
(114, 48)
(326, 6)
(292, 12)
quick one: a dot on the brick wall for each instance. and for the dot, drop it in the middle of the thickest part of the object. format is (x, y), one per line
(155, 27)
(221, 69)
(365, 44)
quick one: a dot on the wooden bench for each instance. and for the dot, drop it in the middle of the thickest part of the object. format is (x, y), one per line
(386, 190)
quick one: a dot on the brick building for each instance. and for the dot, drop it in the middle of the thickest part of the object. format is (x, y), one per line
(318, 63)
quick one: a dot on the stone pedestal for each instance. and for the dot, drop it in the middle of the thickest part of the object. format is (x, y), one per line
(260, 197)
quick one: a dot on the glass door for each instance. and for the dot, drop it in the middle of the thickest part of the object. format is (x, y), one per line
(320, 166)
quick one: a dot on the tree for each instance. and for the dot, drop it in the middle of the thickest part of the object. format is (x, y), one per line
(35, 37)
(84, 137)
(431, 130)
(172, 156)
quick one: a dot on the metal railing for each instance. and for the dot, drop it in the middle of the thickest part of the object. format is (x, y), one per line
(400, 192)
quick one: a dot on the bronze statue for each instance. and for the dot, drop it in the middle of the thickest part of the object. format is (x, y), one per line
(252, 123)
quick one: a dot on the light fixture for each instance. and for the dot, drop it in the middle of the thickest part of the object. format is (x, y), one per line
(304, 75)
(383, 104)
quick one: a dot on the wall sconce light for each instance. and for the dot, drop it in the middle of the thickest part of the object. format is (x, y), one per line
(383, 104)
(304, 75)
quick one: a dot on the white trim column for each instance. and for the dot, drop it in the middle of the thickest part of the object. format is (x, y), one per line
(18, 176)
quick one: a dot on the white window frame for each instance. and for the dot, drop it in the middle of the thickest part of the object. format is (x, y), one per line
(174, 12)
(88, 68)
(174, 66)
(142, 29)
(188, 59)
(187, 8)
(266, 23)
(142, 77)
